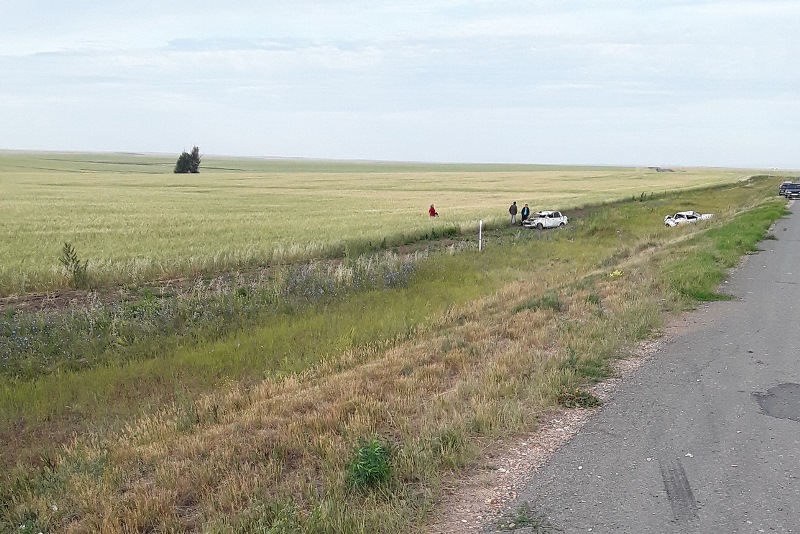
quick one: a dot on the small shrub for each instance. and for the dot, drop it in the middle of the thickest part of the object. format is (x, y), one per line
(576, 398)
(371, 465)
(188, 162)
(593, 298)
(74, 268)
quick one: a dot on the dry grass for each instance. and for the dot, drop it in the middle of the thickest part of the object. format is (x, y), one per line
(480, 371)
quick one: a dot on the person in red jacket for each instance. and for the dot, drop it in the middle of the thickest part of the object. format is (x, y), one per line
(432, 211)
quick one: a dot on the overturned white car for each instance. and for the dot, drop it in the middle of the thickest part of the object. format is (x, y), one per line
(684, 217)
(545, 219)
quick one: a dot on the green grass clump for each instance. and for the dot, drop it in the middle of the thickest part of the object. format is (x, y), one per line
(371, 465)
(545, 302)
(525, 516)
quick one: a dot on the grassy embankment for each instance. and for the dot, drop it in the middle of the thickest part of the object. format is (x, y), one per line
(479, 345)
(133, 220)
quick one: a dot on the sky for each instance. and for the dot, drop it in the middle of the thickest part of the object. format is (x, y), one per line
(585, 82)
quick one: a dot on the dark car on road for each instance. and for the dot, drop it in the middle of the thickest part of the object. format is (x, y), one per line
(791, 190)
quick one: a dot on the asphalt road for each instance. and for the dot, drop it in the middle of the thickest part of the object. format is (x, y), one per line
(705, 436)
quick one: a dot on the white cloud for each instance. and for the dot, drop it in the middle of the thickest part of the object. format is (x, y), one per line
(434, 79)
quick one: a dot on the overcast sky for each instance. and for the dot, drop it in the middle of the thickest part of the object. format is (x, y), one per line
(646, 82)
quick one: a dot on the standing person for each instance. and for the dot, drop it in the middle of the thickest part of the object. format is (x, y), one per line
(526, 212)
(432, 211)
(513, 211)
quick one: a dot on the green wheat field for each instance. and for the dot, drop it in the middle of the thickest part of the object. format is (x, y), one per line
(132, 219)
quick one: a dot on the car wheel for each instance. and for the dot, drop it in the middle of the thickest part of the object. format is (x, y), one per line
(539, 226)
(561, 224)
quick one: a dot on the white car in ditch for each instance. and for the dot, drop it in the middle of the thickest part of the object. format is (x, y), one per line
(545, 219)
(685, 217)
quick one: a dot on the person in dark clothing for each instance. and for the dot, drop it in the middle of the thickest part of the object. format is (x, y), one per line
(432, 211)
(526, 212)
(513, 211)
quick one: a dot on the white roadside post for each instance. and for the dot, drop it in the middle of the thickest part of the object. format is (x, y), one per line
(480, 235)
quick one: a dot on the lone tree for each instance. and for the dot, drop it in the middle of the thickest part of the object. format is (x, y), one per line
(188, 162)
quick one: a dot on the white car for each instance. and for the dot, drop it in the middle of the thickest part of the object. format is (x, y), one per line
(545, 219)
(684, 217)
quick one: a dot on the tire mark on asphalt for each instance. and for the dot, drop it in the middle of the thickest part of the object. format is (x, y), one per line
(679, 491)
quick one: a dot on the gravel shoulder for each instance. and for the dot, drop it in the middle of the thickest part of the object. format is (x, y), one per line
(481, 501)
